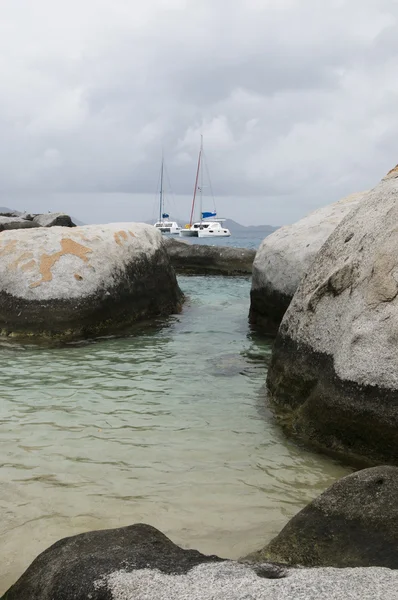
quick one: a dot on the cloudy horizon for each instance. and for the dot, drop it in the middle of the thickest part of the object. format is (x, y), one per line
(296, 101)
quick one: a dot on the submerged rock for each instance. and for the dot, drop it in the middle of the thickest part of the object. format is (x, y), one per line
(285, 256)
(53, 220)
(140, 563)
(334, 368)
(83, 281)
(354, 523)
(7, 223)
(209, 260)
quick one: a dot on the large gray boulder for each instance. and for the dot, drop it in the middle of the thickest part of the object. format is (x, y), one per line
(203, 259)
(53, 220)
(354, 523)
(334, 368)
(7, 223)
(83, 281)
(140, 563)
(285, 256)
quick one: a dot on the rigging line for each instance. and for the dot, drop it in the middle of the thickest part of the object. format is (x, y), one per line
(170, 188)
(196, 188)
(208, 177)
(156, 197)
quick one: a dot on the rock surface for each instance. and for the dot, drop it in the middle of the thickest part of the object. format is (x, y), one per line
(140, 563)
(82, 281)
(354, 523)
(7, 223)
(334, 369)
(213, 260)
(53, 220)
(285, 256)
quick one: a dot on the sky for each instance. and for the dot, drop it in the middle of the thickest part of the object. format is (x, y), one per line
(297, 102)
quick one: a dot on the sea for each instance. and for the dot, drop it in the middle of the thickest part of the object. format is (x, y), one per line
(240, 239)
(167, 425)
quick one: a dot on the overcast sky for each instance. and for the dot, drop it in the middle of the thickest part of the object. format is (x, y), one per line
(297, 101)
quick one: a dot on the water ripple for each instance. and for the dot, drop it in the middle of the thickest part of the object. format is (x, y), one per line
(167, 426)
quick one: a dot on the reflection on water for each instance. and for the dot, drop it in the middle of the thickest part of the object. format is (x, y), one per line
(166, 427)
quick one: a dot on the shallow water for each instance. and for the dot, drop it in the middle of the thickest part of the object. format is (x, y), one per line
(167, 427)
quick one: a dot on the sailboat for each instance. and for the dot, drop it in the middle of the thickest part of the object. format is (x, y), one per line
(164, 224)
(208, 224)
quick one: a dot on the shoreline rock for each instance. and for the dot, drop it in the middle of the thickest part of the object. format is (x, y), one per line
(18, 220)
(354, 523)
(140, 563)
(83, 281)
(53, 220)
(334, 368)
(285, 256)
(7, 223)
(202, 259)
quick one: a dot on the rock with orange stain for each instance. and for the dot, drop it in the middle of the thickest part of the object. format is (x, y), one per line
(83, 280)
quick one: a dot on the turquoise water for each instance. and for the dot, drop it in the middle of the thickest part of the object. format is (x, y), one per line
(167, 426)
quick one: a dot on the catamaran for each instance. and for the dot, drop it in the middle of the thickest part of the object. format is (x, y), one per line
(164, 224)
(208, 225)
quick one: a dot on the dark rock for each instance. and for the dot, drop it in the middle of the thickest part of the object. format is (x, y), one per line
(354, 523)
(71, 567)
(209, 260)
(53, 220)
(140, 563)
(334, 369)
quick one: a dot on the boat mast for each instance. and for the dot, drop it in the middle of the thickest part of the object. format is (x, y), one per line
(161, 201)
(196, 187)
(201, 181)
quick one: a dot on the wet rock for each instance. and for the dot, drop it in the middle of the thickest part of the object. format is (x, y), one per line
(354, 523)
(7, 223)
(140, 563)
(83, 281)
(53, 220)
(334, 369)
(285, 256)
(209, 260)
(228, 365)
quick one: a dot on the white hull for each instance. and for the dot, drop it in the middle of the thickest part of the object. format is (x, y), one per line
(206, 229)
(205, 233)
(189, 233)
(168, 227)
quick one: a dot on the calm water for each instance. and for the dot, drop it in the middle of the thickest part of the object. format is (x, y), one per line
(239, 239)
(167, 427)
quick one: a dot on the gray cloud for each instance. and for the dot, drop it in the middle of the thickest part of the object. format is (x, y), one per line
(296, 98)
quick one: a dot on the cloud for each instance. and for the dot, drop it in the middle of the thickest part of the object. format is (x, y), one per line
(296, 98)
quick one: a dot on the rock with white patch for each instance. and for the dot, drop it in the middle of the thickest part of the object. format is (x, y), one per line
(53, 220)
(335, 361)
(140, 563)
(83, 281)
(285, 256)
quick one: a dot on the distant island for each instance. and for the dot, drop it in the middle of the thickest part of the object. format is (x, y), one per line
(234, 226)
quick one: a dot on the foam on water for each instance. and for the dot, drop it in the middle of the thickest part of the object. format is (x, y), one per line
(167, 426)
